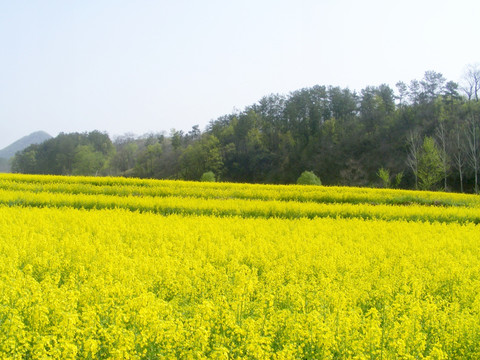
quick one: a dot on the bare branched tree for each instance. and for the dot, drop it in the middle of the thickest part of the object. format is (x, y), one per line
(413, 146)
(441, 138)
(402, 92)
(473, 152)
(458, 151)
(471, 82)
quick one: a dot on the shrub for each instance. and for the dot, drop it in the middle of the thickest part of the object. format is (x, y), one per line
(308, 178)
(384, 175)
(208, 176)
(398, 179)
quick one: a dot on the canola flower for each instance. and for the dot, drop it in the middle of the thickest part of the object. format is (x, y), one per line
(240, 207)
(163, 188)
(112, 283)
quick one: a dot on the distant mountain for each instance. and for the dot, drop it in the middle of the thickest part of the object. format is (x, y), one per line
(34, 138)
(4, 165)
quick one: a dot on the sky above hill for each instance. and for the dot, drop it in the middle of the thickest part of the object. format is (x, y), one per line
(147, 66)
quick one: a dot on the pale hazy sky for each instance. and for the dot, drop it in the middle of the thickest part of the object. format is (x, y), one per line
(142, 66)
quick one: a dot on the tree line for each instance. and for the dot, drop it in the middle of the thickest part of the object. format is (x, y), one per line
(424, 134)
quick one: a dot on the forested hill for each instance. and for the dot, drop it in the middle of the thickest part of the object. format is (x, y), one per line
(34, 138)
(9, 151)
(422, 134)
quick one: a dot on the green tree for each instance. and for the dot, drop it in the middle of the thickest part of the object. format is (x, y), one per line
(125, 157)
(384, 175)
(398, 179)
(202, 156)
(213, 160)
(430, 168)
(87, 161)
(308, 178)
(149, 158)
(208, 176)
(176, 138)
(26, 161)
(100, 142)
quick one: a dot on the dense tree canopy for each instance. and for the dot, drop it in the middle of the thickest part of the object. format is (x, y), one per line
(343, 136)
(73, 153)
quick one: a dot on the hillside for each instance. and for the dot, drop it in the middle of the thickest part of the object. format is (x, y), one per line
(19, 145)
(24, 142)
(344, 137)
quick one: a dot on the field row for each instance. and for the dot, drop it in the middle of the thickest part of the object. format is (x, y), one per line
(166, 188)
(112, 284)
(241, 207)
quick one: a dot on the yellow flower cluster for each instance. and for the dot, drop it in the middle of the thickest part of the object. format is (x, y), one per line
(243, 200)
(83, 281)
(137, 187)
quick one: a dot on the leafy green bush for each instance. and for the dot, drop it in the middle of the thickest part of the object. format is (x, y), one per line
(430, 169)
(208, 176)
(398, 179)
(384, 175)
(308, 178)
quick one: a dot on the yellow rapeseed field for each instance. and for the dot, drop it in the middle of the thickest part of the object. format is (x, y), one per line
(112, 268)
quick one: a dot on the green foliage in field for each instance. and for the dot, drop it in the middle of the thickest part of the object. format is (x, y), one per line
(430, 168)
(308, 178)
(344, 136)
(208, 176)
